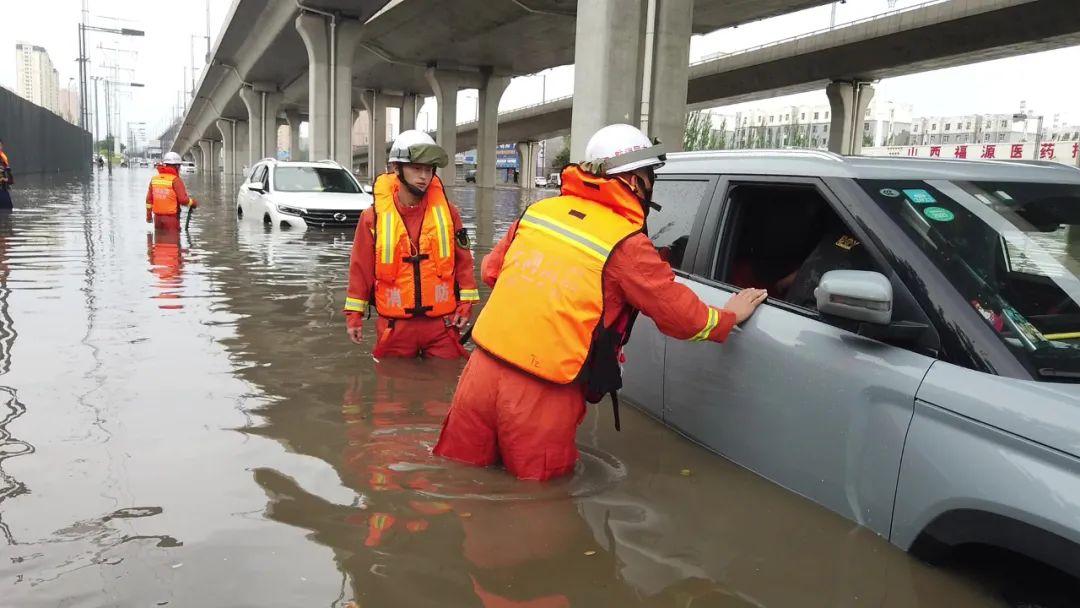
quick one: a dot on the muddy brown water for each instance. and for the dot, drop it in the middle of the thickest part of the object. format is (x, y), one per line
(184, 423)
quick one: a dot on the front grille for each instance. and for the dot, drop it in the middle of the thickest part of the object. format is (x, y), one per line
(325, 217)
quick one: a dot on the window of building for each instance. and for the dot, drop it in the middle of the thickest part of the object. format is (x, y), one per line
(802, 116)
(1001, 137)
(948, 126)
(934, 126)
(945, 139)
(969, 126)
(816, 115)
(1004, 124)
(772, 119)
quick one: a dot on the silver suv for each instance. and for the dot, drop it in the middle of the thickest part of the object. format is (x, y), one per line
(916, 368)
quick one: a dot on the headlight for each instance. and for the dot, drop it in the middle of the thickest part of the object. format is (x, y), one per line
(289, 210)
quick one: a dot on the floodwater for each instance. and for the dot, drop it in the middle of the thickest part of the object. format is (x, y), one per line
(183, 422)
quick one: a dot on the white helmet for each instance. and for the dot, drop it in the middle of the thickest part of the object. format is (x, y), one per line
(171, 158)
(620, 148)
(415, 146)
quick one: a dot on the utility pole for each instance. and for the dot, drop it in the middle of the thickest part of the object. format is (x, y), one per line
(207, 31)
(108, 126)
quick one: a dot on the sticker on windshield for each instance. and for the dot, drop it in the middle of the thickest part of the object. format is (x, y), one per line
(920, 196)
(939, 214)
(889, 192)
(1003, 195)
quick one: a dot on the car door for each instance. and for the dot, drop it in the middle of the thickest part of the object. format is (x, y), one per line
(256, 206)
(800, 399)
(244, 195)
(683, 201)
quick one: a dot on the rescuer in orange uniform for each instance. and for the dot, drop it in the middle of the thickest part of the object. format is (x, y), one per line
(411, 257)
(569, 279)
(167, 194)
(6, 179)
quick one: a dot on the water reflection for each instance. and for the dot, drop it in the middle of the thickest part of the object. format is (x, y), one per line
(166, 263)
(240, 450)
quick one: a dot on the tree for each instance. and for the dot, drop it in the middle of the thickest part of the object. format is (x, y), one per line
(699, 133)
(867, 140)
(561, 159)
(105, 144)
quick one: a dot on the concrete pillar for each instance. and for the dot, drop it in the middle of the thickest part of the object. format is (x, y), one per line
(228, 145)
(848, 102)
(410, 105)
(241, 161)
(294, 118)
(375, 104)
(487, 132)
(667, 70)
(206, 150)
(329, 84)
(446, 84)
(262, 105)
(527, 163)
(607, 68)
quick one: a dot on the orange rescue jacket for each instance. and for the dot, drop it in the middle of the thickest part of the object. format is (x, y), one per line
(164, 201)
(546, 310)
(413, 279)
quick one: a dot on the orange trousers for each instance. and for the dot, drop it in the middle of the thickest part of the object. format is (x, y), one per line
(166, 222)
(418, 337)
(500, 412)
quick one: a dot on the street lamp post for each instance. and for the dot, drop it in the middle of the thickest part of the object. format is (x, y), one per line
(83, 87)
(108, 113)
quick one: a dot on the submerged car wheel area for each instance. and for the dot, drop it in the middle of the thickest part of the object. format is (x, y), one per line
(916, 368)
(302, 195)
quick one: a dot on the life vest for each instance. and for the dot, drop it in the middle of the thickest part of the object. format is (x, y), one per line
(546, 311)
(163, 195)
(413, 279)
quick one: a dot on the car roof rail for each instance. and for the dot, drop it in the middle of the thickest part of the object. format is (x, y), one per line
(328, 160)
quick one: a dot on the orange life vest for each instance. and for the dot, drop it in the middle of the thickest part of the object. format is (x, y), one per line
(413, 279)
(163, 195)
(546, 310)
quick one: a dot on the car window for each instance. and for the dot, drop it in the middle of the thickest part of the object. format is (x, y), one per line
(314, 179)
(258, 174)
(680, 198)
(1012, 251)
(784, 238)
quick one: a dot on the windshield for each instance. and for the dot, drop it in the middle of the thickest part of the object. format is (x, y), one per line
(1012, 250)
(314, 179)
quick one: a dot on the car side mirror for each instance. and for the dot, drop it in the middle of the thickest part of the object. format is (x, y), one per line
(858, 295)
(256, 187)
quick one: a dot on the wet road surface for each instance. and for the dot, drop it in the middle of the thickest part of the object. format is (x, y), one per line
(183, 422)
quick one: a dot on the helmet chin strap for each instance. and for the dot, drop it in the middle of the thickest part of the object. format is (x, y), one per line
(411, 188)
(634, 183)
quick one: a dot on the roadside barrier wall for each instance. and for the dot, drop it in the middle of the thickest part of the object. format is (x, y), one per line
(38, 141)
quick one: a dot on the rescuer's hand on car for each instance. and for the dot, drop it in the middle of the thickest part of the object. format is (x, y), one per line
(744, 303)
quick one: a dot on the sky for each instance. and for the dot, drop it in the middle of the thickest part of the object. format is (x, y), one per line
(158, 60)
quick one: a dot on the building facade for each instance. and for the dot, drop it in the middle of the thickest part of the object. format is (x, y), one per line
(807, 126)
(38, 80)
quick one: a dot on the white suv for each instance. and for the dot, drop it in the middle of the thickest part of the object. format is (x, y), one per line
(301, 194)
